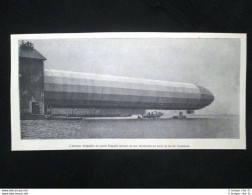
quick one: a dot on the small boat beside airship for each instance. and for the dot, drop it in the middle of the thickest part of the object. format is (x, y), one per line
(151, 115)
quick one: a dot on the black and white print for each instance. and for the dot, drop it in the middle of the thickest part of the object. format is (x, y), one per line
(127, 87)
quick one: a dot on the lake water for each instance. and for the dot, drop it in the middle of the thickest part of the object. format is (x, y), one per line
(209, 127)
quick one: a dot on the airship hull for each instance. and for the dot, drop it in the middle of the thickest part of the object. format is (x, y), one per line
(65, 89)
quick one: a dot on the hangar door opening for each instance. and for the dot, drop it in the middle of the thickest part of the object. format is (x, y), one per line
(35, 108)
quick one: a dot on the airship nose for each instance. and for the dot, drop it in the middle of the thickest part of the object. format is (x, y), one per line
(210, 97)
(207, 96)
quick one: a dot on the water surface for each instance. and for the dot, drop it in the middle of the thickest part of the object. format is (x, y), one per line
(214, 127)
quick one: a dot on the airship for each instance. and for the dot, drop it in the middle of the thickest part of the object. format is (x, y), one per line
(48, 92)
(66, 89)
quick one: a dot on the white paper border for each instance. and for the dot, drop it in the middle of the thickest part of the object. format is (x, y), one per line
(66, 144)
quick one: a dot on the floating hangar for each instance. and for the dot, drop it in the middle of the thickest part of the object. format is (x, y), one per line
(42, 90)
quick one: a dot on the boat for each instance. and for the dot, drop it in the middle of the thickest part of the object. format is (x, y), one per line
(180, 116)
(151, 115)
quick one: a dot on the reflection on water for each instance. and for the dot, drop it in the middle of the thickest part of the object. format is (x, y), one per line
(214, 127)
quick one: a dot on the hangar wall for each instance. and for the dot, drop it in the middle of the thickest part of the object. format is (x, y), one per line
(31, 80)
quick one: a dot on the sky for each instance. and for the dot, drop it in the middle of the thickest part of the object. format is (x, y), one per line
(210, 63)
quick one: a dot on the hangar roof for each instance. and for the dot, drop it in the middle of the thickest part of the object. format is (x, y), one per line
(30, 53)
